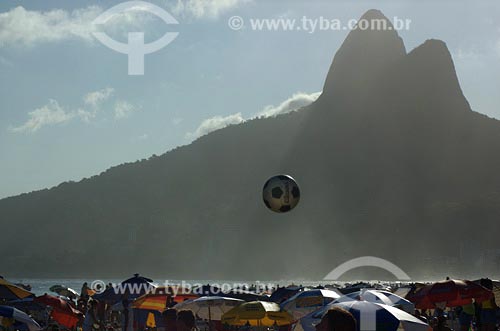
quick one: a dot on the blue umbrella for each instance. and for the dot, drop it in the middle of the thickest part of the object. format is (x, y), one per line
(368, 315)
(308, 301)
(383, 297)
(283, 293)
(128, 289)
(26, 304)
(20, 316)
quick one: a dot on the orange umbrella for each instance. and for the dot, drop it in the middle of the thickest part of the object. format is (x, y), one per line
(9, 291)
(62, 312)
(162, 298)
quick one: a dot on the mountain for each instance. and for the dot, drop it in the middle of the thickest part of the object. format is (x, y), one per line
(391, 161)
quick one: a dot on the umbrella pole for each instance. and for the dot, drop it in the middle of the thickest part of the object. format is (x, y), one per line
(209, 319)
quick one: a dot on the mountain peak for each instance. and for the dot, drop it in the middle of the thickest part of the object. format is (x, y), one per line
(369, 49)
(430, 70)
(373, 14)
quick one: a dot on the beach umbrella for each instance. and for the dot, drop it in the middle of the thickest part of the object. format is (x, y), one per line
(496, 288)
(207, 290)
(9, 291)
(62, 311)
(129, 289)
(449, 293)
(56, 303)
(209, 307)
(384, 297)
(177, 293)
(283, 293)
(137, 279)
(26, 304)
(369, 316)
(355, 287)
(162, 298)
(64, 291)
(257, 313)
(245, 295)
(20, 316)
(308, 301)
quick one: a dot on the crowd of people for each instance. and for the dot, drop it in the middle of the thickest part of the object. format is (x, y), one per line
(105, 316)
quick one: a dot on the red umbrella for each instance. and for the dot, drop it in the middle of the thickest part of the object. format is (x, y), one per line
(163, 296)
(452, 292)
(62, 312)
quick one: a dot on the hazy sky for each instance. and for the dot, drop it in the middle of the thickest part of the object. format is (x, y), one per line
(69, 109)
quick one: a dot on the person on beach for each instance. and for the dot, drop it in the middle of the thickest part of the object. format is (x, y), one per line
(337, 319)
(420, 317)
(439, 324)
(185, 321)
(90, 321)
(84, 293)
(466, 316)
(6, 323)
(170, 319)
(488, 309)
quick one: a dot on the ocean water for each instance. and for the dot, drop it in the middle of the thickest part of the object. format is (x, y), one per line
(41, 286)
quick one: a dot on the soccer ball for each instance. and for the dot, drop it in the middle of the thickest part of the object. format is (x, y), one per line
(281, 193)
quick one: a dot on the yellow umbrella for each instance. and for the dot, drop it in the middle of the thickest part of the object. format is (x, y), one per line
(9, 291)
(257, 313)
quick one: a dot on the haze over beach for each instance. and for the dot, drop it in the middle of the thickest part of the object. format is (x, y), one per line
(393, 137)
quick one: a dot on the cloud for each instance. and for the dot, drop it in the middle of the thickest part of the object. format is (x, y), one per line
(50, 114)
(22, 27)
(296, 101)
(123, 109)
(205, 8)
(215, 123)
(94, 99)
(25, 27)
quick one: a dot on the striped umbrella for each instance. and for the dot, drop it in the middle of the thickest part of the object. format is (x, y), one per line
(9, 291)
(368, 315)
(306, 302)
(162, 297)
(20, 316)
(384, 297)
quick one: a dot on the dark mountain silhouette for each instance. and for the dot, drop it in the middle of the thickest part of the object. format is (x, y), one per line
(391, 160)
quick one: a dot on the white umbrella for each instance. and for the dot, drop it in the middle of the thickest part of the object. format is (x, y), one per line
(65, 291)
(384, 297)
(369, 316)
(308, 301)
(209, 307)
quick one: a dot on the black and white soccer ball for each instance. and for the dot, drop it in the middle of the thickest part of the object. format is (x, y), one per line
(281, 193)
